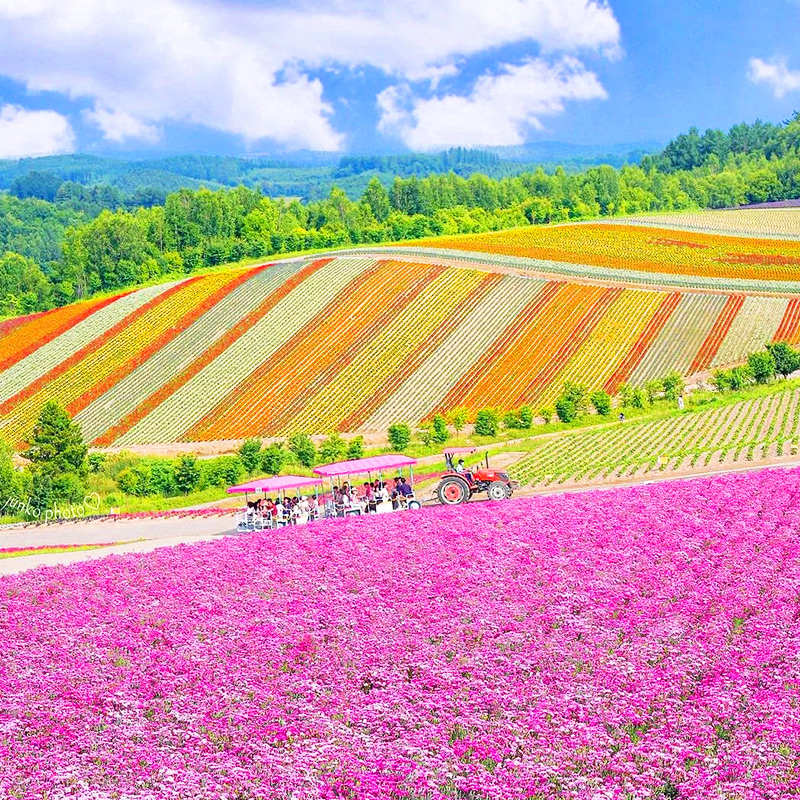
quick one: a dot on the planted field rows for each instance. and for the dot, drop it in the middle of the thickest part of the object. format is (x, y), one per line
(648, 250)
(759, 222)
(750, 430)
(356, 343)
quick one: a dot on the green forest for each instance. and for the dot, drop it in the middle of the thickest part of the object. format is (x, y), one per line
(62, 239)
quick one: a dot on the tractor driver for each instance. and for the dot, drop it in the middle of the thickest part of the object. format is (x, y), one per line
(460, 468)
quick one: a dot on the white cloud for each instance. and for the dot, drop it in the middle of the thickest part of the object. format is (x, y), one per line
(498, 111)
(117, 126)
(33, 133)
(244, 69)
(775, 74)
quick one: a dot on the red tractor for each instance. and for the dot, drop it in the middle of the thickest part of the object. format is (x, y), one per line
(459, 483)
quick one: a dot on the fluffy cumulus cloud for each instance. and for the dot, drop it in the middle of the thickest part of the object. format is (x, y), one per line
(33, 133)
(775, 74)
(250, 69)
(498, 111)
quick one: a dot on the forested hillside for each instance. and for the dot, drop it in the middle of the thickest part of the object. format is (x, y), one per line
(86, 239)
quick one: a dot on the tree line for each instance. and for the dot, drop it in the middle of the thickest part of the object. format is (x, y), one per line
(55, 253)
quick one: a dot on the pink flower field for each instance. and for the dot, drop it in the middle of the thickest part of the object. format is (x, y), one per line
(636, 643)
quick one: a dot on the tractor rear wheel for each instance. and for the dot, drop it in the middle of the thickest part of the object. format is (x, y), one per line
(452, 490)
(498, 491)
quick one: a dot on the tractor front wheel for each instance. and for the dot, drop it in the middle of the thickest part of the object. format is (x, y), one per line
(498, 491)
(452, 490)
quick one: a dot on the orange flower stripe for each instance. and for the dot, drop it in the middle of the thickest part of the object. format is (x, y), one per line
(36, 330)
(635, 247)
(541, 304)
(718, 331)
(8, 325)
(309, 360)
(789, 329)
(538, 343)
(648, 335)
(604, 346)
(106, 355)
(222, 344)
(417, 357)
(381, 354)
(575, 339)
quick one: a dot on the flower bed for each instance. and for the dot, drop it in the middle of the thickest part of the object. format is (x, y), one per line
(631, 643)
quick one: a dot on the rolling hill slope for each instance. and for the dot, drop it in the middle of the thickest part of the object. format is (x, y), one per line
(356, 341)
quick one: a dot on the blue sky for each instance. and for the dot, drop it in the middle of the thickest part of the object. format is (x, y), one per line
(156, 76)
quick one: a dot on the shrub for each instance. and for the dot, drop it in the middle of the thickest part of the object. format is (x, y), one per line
(356, 448)
(439, 431)
(334, 448)
(511, 419)
(565, 409)
(303, 448)
(458, 418)
(273, 459)
(135, 481)
(399, 436)
(674, 385)
(425, 434)
(762, 366)
(187, 474)
(601, 402)
(487, 422)
(250, 454)
(786, 358)
(652, 389)
(525, 414)
(547, 414)
(96, 462)
(638, 398)
(223, 471)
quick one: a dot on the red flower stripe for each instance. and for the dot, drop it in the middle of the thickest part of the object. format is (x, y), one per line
(222, 344)
(642, 345)
(90, 348)
(276, 391)
(790, 324)
(38, 329)
(538, 306)
(578, 335)
(124, 369)
(705, 355)
(415, 359)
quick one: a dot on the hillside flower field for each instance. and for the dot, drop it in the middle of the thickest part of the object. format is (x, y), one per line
(633, 643)
(354, 343)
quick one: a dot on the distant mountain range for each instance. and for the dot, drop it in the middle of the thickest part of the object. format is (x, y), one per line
(306, 175)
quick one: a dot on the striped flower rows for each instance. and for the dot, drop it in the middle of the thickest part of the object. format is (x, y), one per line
(638, 247)
(356, 343)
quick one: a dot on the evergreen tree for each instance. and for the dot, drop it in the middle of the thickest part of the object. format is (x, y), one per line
(57, 455)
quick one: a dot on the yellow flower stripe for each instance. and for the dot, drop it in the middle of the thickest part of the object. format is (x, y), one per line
(607, 345)
(385, 352)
